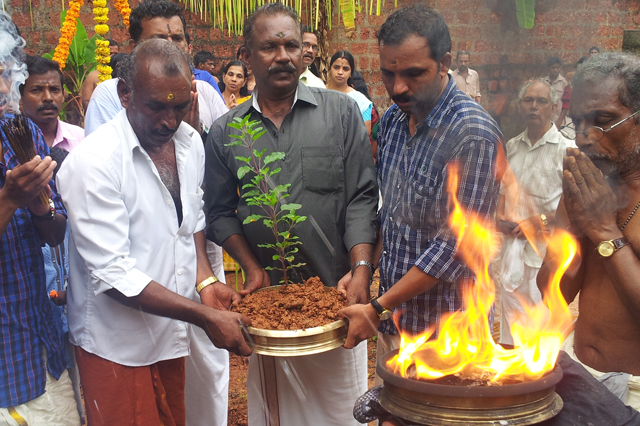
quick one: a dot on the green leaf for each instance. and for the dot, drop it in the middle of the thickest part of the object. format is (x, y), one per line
(79, 42)
(274, 156)
(89, 54)
(251, 218)
(274, 171)
(244, 159)
(247, 185)
(253, 193)
(266, 245)
(526, 13)
(49, 55)
(259, 154)
(268, 223)
(255, 136)
(291, 206)
(236, 120)
(243, 171)
(275, 257)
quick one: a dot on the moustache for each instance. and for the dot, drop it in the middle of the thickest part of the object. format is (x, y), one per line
(282, 68)
(48, 107)
(164, 132)
(403, 98)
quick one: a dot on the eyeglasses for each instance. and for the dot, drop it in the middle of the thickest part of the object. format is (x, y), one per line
(593, 133)
(313, 47)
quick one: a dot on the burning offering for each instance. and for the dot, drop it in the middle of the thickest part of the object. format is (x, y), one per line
(463, 374)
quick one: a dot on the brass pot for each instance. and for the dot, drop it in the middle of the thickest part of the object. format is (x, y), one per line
(297, 342)
(435, 404)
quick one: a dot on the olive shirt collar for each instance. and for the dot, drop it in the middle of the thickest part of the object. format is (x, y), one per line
(302, 94)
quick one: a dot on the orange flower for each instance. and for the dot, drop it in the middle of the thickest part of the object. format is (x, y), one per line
(67, 32)
(123, 7)
(53, 294)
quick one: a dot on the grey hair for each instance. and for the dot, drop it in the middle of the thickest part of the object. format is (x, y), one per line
(174, 61)
(623, 66)
(553, 93)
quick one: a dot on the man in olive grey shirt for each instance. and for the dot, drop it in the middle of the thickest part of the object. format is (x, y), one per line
(329, 165)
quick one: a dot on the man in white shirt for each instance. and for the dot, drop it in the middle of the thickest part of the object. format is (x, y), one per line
(466, 79)
(137, 248)
(309, 52)
(529, 197)
(559, 83)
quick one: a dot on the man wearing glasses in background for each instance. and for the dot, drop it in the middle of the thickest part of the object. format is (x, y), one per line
(309, 52)
(601, 193)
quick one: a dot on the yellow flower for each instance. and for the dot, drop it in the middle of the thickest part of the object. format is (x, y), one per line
(101, 19)
(99, 3)
(101, 29)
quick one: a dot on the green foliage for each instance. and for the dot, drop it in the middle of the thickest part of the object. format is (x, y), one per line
(278, 217)
(80, 62)
(526, 13)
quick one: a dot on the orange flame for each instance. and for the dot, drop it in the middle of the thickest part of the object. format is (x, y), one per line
(464, 345)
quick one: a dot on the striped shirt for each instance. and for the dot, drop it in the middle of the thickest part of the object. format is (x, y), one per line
(26, 323)
(412, 174)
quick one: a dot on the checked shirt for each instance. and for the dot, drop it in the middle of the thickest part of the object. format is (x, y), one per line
(412, 175)
(26, 323)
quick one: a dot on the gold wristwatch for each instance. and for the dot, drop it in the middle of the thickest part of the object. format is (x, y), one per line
(607, 248)
(544, 219)
(383, 313)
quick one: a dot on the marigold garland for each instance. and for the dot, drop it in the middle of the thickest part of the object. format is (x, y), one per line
(103, 55)
(122, 6)
(67, 32)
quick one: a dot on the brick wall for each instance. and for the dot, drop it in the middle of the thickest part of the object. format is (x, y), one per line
(503, 54)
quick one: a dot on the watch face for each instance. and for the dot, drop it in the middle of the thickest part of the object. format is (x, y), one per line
(385, 315)
(606, 248)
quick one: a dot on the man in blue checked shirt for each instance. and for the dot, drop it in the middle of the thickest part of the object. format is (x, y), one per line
(34, 385)
(431, 126)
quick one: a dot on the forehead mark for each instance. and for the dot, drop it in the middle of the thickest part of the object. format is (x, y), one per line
(170, 96)
(280, 34)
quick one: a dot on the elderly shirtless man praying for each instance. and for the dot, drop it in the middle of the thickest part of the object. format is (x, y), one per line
(601, 190)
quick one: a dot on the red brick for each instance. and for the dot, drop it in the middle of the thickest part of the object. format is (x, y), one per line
(374, 49)
(604, 31)
(449, 17)
(375, 63)
(600, 18)
(365, 33)
(493, 85)
(458, 32)
(380, 90)
(463, 17)
(614, 17)
(22, 20)
(358, 48)
(52, 38)
(613, 44)
(570, 44)
(363, 63)
(550, 30)
(617, 31)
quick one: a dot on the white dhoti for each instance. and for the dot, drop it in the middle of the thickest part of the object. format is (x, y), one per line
(511, 302)
(623, 385)
(311, 390)
(207, 368)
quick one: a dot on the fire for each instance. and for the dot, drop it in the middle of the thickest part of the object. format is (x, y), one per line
(464, 345)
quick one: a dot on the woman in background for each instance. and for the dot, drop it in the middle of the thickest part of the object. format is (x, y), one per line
(341, 68)
(232, 86)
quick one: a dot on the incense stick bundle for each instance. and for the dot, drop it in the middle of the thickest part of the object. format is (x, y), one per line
(18, 133)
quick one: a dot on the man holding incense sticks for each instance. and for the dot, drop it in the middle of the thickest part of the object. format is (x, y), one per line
(34, 385)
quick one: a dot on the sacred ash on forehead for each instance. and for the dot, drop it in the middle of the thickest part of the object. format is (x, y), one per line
(12, 60)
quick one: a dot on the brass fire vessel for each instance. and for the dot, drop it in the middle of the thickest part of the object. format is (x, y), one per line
(297, 342)
(435, 404)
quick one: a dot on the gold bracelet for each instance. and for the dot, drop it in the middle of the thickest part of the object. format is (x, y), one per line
(211, 280)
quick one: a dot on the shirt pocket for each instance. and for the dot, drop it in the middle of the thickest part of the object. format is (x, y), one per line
(322, 169)
(418, 200)
(191, 210)
(541, 180)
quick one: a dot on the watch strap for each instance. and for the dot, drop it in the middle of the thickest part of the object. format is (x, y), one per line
(618, 243)
(211, 280)
(363, 263)
(377, 306)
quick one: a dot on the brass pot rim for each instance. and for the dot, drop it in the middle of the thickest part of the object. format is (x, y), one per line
(547, 381)
(298, 333)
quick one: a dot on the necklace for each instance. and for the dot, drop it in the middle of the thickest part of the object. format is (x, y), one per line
(626, 222)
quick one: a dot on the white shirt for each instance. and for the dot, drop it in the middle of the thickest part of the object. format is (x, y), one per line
(105, 104)
(538, 174)
(469, 84)
(310, 79)
(124, 233)
(559, 84)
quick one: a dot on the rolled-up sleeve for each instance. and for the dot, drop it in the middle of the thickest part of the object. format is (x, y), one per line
(100, 224)
(361, 223)
(477, 192)
(221, 190)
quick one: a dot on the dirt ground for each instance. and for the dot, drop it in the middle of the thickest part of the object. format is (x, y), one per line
(239, 365)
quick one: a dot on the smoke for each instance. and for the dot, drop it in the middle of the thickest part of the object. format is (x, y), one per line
(12, 59)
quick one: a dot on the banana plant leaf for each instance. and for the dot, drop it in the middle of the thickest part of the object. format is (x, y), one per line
(525, 11)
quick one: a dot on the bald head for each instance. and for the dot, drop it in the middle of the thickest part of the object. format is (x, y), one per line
(157, 57)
